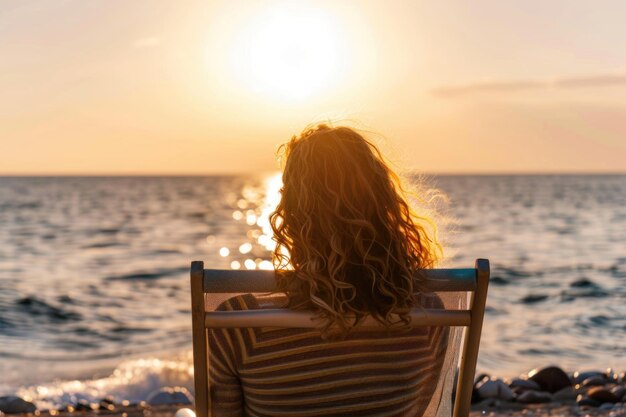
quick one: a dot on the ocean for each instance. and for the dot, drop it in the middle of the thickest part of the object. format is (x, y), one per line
(94, 292)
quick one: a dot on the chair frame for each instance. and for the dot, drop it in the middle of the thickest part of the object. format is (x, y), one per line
(203, 281)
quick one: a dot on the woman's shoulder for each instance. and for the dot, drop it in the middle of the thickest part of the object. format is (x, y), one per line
(253, 302)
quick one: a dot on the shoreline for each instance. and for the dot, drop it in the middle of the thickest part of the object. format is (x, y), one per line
(503, 410)
(547, 391)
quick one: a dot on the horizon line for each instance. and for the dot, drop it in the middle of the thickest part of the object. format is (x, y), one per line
(265, 172)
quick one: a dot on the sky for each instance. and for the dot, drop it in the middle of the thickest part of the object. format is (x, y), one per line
(202, 87)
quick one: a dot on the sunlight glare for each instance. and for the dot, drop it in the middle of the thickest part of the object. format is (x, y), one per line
(289, 51)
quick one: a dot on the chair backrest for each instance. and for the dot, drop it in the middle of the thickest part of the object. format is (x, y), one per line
(207, 281)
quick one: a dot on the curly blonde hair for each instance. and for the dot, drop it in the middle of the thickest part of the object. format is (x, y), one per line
(348, 243)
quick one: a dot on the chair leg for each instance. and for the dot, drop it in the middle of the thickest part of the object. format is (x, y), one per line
(200, 347)
(472, 341)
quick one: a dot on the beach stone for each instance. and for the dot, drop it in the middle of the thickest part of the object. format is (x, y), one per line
(611, 375)
(534, 397)
(495, 389)
(579, 377)
(582, 400)
(526, 384)
(475, 396)
(594, 381)
(551, 379)
(107, 403)
(15, 405)
(83, 405)
(620, 392)
(170, 395)
(602, 395)
(185, 412)
(606, 406)
(564, 395)
(479, 379)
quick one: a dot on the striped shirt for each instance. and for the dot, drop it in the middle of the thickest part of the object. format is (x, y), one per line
(294, 372)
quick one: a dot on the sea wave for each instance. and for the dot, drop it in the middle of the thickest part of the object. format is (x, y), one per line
(132, 380)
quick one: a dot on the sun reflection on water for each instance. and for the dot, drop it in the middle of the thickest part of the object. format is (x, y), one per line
(254, 208)
(272, 198)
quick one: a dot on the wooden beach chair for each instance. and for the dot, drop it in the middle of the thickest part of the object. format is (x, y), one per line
(472, 282)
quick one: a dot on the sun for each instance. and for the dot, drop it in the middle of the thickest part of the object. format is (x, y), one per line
(287, 51)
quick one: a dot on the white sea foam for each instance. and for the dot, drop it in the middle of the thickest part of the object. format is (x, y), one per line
(132, 380)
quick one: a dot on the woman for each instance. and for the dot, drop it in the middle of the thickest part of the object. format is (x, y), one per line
(348, 247)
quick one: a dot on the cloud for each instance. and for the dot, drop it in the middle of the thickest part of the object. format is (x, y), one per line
(599, 80)
(147, 42)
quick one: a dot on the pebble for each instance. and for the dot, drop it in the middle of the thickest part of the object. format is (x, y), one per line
(107, 403)
(525, 384)
(582, 400)
(611, 375)
(551, 379)
(83, 405)
(579, 377)
(15, 405)
(185, 412)
(620, 392)
(565, 395)
(534, 397)
(495, 389)
(170, 395)
(481, 378)
(594, 381)
(606, 406)
(602, 395)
